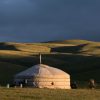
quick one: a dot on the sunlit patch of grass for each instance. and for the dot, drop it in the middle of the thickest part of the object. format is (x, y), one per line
(48, 94)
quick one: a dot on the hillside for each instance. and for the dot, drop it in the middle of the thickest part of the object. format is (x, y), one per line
(8, 70)
(79, 58)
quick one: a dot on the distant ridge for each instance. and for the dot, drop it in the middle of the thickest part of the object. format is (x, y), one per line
(77, 41)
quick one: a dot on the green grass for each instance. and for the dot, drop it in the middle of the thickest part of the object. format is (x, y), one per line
(48, 94)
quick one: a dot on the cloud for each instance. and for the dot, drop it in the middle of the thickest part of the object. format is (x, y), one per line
(41, 20)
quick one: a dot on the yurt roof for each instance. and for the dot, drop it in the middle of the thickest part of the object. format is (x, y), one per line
(42, 70)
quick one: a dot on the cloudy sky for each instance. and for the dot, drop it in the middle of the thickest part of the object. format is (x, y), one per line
(45, 20)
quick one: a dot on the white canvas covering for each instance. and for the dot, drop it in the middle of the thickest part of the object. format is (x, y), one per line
(43, 76)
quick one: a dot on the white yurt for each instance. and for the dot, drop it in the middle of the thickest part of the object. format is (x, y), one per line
(43, 76)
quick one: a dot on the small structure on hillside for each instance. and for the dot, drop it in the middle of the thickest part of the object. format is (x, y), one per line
(43, 76)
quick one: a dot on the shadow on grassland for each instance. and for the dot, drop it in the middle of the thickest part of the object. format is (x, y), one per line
(5, 46)
(80, 67)
(69, 49)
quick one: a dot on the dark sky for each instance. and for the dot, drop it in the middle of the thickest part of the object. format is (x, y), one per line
(45, 20)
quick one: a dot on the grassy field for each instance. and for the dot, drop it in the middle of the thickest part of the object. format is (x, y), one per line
(48, 94)
(79, 58)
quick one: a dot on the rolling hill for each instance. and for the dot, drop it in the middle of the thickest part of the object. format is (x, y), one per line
(80, 58)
